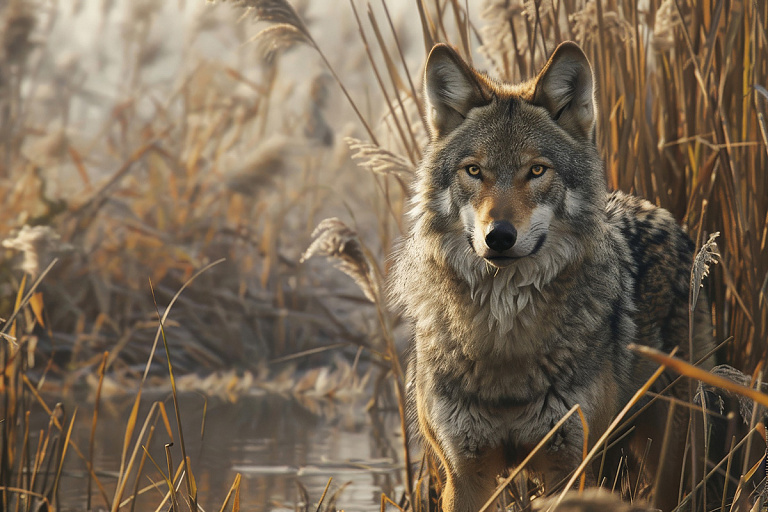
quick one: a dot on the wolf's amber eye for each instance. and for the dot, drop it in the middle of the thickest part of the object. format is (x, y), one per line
(537, 170)
(473, 170)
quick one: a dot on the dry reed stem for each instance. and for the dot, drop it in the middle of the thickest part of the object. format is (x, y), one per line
(414, 94)
(178, 476)
(139, 471)
(55, 491)
(171, 489)
(412, 145)
(234, 489)
(191, 487)
(325, 491)
(55, 422)
(94, 421)
(693, 372)
(727, 459)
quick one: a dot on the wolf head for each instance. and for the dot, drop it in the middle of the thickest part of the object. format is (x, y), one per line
(511, 170)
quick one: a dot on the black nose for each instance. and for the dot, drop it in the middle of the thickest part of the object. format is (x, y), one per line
(501, 236)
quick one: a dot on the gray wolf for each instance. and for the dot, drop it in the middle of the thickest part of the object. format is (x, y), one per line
(526, 280)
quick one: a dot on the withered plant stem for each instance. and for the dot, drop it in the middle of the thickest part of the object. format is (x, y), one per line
(94, 421)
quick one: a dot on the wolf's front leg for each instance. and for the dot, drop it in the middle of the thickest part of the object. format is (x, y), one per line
(470, 482)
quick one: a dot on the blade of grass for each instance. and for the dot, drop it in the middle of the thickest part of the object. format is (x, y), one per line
(139, 471)
(56, 482)
(171, 494)
(236, 501)
(166, 421)
(171, 488)
(130, 427)
(693, 372)
(235, 488)
(25, 456)
(191, 489)
(92, 439)
(58, 425)
(727, 473)
(123, 480)
(39, 454)
(168, 310)
(322, 498)
(125, 471)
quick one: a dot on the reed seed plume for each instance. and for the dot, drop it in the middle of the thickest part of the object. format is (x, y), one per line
(503, 23)
(36, 246)
(586, 26)
(379, 160)
(287, 29)
(340, 243)
(707, 256)
(276, 39)
(666, 22)
(274, 11)
(536, 10)
(714, 397)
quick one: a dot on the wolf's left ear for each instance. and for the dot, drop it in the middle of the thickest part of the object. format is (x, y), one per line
(565, 87)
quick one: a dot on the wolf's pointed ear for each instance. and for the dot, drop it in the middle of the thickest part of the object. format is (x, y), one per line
(452, 90)
(565, 88)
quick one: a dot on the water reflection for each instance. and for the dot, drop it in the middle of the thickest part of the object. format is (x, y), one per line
(273, 441)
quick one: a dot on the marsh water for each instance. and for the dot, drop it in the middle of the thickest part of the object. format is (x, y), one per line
(276, 443)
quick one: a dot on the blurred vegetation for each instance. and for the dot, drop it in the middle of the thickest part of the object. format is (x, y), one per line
(151, 168)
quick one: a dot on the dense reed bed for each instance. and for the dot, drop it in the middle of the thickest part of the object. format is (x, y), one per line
(681, 123)
(224, 139)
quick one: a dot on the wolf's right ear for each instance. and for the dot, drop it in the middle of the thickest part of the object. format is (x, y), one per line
(452, 90)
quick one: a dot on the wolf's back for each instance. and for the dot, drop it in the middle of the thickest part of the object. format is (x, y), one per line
(662, 256)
